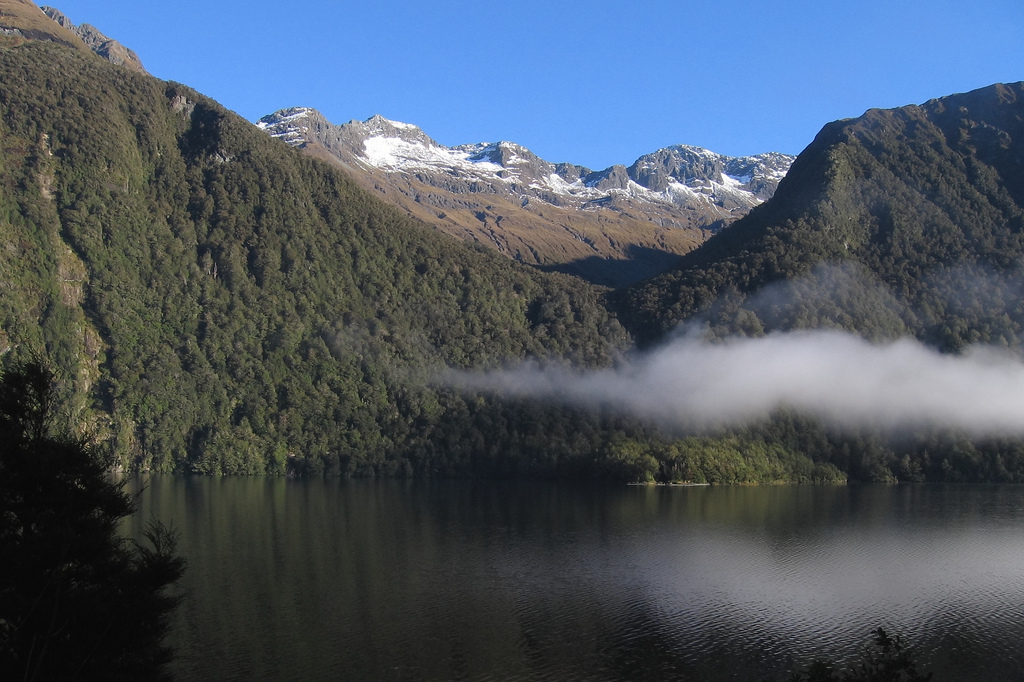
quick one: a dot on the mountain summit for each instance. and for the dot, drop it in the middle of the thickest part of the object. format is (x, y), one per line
(612, 226)
(22, 20)
(680, 175)
(916, 214)
(108, 48)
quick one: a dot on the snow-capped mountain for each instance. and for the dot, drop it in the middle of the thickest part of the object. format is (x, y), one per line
(504, 195)
(680, 175)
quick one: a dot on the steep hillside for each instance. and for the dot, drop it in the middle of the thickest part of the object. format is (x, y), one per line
(216, 302)
(612, 227)
(922, 207)
(22, 20)
(108, 48)
(222, 303)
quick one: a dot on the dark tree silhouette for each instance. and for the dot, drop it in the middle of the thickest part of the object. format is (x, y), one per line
(888, 661)
(77, 600)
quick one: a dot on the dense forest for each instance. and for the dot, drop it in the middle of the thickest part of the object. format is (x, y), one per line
(902, 221)
(211, 297)
(212, 301)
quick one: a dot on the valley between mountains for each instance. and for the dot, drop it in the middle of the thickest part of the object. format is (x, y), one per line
(612, 227)
(288, 298)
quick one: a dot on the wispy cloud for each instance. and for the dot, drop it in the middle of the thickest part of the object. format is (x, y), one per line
(839, 377)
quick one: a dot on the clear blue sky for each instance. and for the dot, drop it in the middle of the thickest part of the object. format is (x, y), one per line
(594, 82)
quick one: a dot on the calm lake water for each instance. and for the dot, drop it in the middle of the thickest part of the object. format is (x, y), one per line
(391, 580)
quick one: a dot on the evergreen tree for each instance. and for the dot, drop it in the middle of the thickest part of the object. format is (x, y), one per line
(77, 600)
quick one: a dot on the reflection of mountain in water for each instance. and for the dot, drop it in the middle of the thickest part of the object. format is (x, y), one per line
(529, 581)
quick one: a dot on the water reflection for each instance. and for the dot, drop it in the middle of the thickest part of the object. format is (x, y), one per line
(505, 581)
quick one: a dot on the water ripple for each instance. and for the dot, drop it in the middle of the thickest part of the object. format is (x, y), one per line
(307, 580)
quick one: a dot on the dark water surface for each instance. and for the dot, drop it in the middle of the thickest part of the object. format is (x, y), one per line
(390, 580)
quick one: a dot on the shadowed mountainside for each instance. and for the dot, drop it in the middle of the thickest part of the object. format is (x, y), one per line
(215, 302)
(920, 207)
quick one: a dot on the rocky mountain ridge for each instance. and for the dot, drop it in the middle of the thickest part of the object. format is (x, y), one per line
(95, 40)
(218, 303)
(679, 175)
(611, 226)
(22, 20)
(905, 221)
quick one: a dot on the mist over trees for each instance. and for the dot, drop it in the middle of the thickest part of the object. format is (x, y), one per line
(919, 211)
(214, 302)
(219, 303)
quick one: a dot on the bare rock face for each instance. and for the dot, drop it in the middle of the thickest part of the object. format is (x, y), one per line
(612, 226)
(22, 20)
(663, 177)
(59, 17)
(109, 49)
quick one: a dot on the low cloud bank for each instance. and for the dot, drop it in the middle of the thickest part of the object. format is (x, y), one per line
(839, 377)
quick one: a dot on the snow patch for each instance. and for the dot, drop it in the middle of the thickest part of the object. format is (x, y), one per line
(394, 153)
(736, 181)
(395, 146)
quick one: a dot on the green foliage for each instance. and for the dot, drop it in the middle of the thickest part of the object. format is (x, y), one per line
(742, 459)
(215, 302)
(630, 460)
(920, 211)
(239, 308)
(907, 222)
(77, 601)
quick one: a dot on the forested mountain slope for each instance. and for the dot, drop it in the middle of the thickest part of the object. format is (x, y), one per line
(612, 227)
(222, 303)
(215, 302)
(922, 207)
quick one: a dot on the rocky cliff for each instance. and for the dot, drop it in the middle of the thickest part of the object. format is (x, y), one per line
(109, 49)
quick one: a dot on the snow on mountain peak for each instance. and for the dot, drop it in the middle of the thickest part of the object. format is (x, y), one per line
(677, 175)
(290, 125)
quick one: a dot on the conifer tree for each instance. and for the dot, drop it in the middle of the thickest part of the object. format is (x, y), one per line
(77, 600)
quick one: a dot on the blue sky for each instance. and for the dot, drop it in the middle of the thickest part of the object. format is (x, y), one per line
(593, 83)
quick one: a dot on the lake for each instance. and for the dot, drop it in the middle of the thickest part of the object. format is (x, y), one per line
(484, 580)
